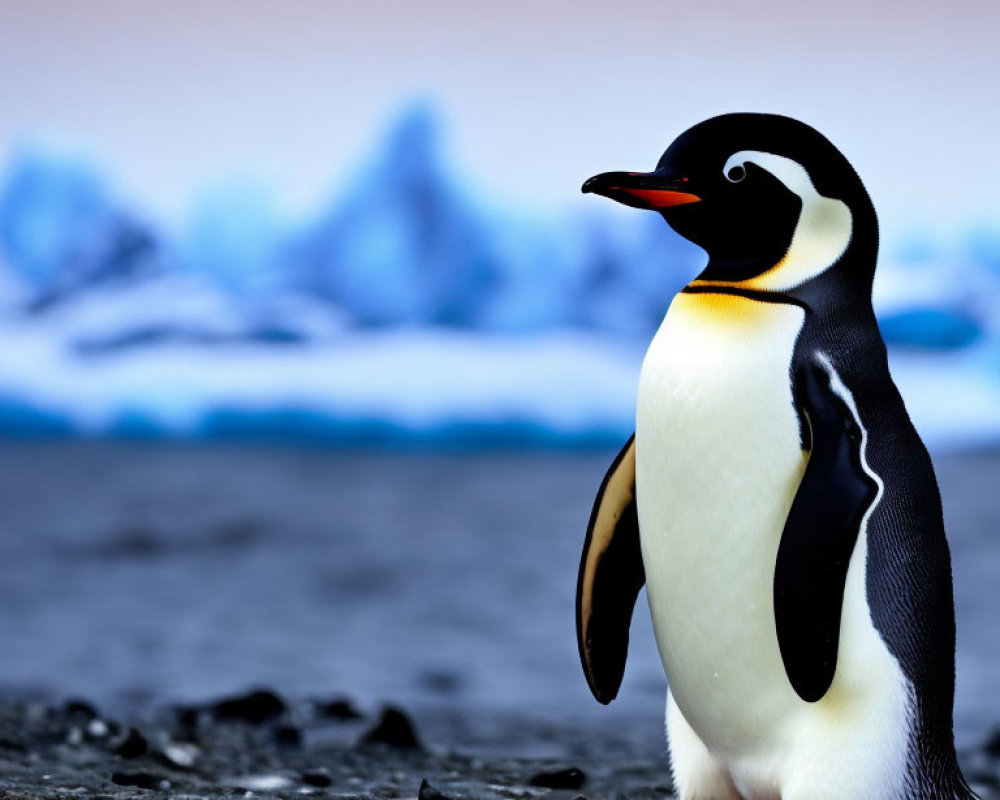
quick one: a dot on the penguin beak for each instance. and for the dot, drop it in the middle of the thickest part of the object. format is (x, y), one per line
(649, 190)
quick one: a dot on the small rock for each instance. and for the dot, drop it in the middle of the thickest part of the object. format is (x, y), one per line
(97, 729)
(79, 708)
(260, 783)
(6, 743)
(569, 778)
(189, 720)
(337, 709)
(255, 707)
(134, 746)
(74, 737)
(319, 778)
(428, 792)
(180, 755)
(143, 780)
(394, 729)
(288, 736)
(187, 716)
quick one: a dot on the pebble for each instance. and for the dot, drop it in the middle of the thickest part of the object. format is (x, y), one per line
(79, 708)
(254, 707)
(142, 780)
(134, 746)
(188, 717)
(394, 729)
(428, 792)
(7, 743)
(319, 778)
(568, 778)
(97, 728)
(180, 754)
(261, 783)
(288, 736)
(337, 709)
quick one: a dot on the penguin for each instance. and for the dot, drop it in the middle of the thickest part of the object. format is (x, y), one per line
(775, 498)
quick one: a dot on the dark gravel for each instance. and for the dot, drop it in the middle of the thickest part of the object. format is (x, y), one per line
(44, 753)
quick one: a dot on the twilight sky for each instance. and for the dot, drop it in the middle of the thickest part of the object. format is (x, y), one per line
(173, 96)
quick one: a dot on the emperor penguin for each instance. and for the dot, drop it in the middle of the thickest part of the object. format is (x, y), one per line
(775, 498)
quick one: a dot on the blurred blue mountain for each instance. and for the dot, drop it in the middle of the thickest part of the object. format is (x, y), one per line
(186, 325)
(406, 243)
(403, 245)
(60, 232)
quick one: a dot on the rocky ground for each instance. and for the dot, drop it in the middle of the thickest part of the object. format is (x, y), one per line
(259, 745)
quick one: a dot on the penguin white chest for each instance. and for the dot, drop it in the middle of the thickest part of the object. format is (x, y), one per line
(718, 462)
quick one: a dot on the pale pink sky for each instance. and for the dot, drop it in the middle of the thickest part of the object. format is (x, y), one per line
(171, 96)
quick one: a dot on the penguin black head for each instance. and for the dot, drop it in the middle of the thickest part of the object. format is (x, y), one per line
(771, 200)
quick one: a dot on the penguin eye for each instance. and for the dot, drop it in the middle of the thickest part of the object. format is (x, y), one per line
(736, 173)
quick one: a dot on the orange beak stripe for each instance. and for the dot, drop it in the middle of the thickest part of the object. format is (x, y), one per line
(661, 198)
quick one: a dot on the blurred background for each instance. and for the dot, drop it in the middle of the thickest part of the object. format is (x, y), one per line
(312, 356)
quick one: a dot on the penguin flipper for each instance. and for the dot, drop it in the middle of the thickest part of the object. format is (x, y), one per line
(821, 530)
(611, 575)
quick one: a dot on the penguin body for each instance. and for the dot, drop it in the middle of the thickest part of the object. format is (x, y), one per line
(782, 510)
(725, 391)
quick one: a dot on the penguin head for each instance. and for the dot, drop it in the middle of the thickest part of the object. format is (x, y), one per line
(770, 199)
